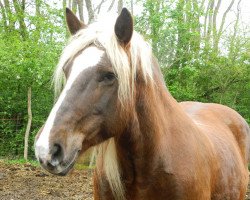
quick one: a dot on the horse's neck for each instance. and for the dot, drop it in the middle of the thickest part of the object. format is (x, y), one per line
(139, 146)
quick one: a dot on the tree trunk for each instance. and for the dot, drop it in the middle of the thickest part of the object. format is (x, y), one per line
(38, 7)
(80, 8)
(119, 6)
(38, 4)
(180, 18)
(70, 4)
(23, 4)
(11, 20)
(64, 5)
(205, 20)
(214, 22)
(3, 16)
(91, 13)
(27, 132)
(196, 27)
(20, 18)
(209, 24)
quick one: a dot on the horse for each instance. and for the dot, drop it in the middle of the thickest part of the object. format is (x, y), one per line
(149, 147)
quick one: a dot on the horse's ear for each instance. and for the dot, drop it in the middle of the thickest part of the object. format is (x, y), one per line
(74, 24)
(124, 27)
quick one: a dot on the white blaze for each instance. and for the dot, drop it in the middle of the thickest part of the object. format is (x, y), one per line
(88, 58)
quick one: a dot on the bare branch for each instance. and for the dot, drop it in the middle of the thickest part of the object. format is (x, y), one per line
(205, 20)
(217, 39)
(210, 18)
(208, 24)
(232, 42)
(111, 5)
(98, 7)
(224, 18)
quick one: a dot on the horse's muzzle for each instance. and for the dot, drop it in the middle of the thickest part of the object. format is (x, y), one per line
(54, 159)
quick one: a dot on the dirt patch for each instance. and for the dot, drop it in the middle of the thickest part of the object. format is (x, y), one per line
(26, 182)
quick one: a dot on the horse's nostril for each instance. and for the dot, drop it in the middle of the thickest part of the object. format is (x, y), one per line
(57, 152)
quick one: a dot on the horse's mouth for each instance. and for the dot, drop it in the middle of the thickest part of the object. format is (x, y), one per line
(64, 167)
(66, 170)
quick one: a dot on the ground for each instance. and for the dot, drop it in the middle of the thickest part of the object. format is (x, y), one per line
(28, 182)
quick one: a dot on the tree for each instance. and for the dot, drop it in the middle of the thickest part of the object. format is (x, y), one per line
(186, 36)
(27, 132)
(28, 54)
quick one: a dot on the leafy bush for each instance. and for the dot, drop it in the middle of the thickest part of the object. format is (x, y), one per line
(28, 62)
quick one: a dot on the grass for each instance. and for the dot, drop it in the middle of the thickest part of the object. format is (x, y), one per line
(80, 166)
(20, 161)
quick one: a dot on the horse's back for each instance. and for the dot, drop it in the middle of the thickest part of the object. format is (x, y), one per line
(216, 115)
(229, 135)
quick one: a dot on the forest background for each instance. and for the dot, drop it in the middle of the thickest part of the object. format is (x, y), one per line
(203, 47)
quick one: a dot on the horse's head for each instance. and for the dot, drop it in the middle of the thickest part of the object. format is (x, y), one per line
(97, 67)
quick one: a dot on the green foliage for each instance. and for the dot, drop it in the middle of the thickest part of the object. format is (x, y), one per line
(28, 62)
(155, 26)
(193, 69)
(218, 83)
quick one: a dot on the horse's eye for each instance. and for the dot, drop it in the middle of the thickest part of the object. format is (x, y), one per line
(107, 77)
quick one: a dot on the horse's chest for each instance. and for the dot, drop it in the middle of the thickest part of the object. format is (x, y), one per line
(158, 187)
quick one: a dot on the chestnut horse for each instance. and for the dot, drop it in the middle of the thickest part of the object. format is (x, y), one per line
(149, 146)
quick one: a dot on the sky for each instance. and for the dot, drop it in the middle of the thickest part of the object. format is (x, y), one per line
(231, 16)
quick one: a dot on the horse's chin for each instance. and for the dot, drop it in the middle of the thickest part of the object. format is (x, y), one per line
(67, 169)
(64, 167)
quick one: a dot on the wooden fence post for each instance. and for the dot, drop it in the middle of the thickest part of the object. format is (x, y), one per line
(27, 132)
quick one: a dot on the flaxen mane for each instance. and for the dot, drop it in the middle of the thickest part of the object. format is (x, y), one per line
(126, 63)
